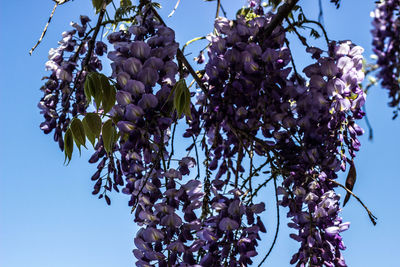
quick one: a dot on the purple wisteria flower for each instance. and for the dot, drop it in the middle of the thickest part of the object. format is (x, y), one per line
(326, 111)
(386, 46)
(64, 96)
(252, 106)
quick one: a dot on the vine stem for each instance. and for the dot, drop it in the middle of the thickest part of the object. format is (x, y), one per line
(277, 224)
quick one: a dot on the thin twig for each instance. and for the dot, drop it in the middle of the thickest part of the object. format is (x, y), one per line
(172, 145)
(302, 39)
(277, 225)
(223, 10)
(144, 184)
(207, 184)
(321, 27)
(197, 157)
(251, 155)
(321, 13)
(371, 130)
(173, 11)
(298, 77)
(254, 173)
(260, 186)
(372, 217)
(180, 56)
(218, 8)
(45, 29)
(238, 164)
(191, 41)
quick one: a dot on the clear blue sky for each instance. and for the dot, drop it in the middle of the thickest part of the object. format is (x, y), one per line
(48, 216)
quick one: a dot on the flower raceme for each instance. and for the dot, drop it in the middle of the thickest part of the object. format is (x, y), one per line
(64, 96)
(386, 43)
(308, 126)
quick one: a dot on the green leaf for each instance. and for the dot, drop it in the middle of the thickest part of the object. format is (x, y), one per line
(125, 3)
(108, 135)
(179, 98)
(93, 121)
(90, 136)
(116, 135)
(97, 91)
(156, 5)
(87, 88)
(68, 145)
(315, 34)
(78, 132)
(92, 125)
(97, 5)
(182, 98)
(93, 88)
(109, 92)
(247, 13)
(186, 109)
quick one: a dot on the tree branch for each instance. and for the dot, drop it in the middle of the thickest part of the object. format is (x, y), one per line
(282, 13)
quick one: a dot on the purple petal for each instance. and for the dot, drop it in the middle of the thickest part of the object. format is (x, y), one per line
(123, 98)
(140, 49)
(132, 65)
(148, 101)
(227, 224)
(126, 126)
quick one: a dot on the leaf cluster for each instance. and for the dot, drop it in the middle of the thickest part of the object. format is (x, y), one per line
(97, 88)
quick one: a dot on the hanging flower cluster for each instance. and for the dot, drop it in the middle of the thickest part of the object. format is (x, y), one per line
(327, 109)
(64, 96)
(308, 126)
(252, 107)
(145, 73)
(386, 46)
(165, 206)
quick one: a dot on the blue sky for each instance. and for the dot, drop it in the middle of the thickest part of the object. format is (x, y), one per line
(48, 216)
